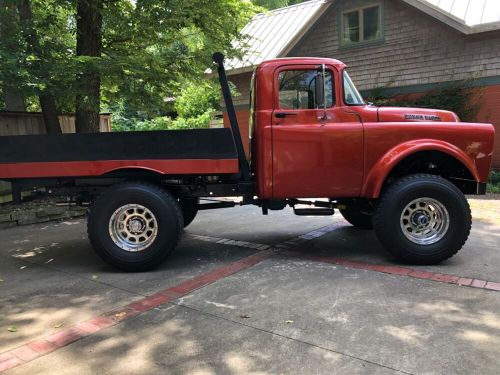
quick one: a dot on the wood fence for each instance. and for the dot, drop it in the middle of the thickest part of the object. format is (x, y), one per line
(25, 123)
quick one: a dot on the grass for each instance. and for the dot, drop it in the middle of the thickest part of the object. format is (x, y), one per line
(494, 182)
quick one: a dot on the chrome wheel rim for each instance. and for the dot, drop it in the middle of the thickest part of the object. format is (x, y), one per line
(133, 227)
(425, 221)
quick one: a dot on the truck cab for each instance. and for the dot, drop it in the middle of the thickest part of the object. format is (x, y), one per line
(312, 135)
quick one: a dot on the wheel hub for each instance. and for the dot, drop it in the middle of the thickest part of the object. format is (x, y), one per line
(424, 221)
(133, 227)
(420, 219)
(136, 226)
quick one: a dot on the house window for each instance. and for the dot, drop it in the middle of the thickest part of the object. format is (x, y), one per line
(362, 24)
(297, 88)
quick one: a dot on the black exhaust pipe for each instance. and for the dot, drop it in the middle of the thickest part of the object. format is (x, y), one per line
(218, 58)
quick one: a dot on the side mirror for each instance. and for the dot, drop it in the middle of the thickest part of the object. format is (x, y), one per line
(319, 89)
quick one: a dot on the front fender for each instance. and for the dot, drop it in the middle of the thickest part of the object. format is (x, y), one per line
(375, 178)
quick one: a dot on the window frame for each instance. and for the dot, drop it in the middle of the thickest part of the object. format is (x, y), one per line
(344, 71)
(303, 67)
(359, 9)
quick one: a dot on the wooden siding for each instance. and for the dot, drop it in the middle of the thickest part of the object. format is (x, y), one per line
(243, 117)
(416, 49)
(490, 112)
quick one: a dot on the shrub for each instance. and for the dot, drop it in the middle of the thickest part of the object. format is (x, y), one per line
(494, 182)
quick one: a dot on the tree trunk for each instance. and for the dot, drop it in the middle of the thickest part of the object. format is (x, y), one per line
(88, 43)
(13, 99)
(49, 113)
(47, 101)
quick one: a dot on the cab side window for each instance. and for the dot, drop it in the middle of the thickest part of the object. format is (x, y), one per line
(297, 88)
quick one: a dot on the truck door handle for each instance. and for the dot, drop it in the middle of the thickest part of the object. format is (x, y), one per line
(284, 114)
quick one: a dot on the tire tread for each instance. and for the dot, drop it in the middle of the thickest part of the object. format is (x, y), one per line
(378, 221)
(164, 194)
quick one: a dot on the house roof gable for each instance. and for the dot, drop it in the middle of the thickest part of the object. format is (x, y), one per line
(273, 34)
(466, 16)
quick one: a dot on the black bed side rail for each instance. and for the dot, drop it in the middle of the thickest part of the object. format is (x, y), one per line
(218, 58)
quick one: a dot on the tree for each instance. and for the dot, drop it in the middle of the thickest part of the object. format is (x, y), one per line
(34, 57)
(13, 98)
(93, 54)
(274, 4)
(151, 48)
(47, 101)
(88, 44)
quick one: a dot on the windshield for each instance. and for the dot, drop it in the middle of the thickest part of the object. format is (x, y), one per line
(351, 94)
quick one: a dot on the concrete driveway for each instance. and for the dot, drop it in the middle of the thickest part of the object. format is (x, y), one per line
(250, 294)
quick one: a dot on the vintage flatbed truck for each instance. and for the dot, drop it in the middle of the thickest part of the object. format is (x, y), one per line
(401, 171)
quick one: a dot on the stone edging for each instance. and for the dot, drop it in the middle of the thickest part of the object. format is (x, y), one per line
(40, 215)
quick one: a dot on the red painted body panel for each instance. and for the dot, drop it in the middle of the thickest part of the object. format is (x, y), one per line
(352, 152)
(99, 168)
(316, 156)
(401, 114)
(381, 158)
(261, 144)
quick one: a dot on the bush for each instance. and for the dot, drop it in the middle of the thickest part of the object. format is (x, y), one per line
(194, 108)
(196, 99)
(494, 182)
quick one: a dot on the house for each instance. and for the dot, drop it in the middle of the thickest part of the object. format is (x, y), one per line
(400, 46)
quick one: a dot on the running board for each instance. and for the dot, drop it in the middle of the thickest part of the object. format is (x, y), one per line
(313, 211)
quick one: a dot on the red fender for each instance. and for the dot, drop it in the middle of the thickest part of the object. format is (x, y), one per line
(377, 175)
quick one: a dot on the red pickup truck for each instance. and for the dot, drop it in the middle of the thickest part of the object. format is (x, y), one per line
(401, 171)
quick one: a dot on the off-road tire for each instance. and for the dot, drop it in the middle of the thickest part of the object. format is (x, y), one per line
(387, 219)
(169, 225)
(357, 217)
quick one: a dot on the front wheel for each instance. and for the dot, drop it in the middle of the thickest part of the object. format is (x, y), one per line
(135, 226)
(422, 219)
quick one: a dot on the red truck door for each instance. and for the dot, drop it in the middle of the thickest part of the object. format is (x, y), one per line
(313, 155)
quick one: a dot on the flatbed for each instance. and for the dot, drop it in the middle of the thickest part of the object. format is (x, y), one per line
(184, 152)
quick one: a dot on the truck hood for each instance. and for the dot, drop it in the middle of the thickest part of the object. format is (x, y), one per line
(405, 114)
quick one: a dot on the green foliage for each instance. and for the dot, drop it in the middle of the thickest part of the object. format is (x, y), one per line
(149, 47)
(494, 182)
(194, 108)
(52, 68)
(459, 97)
(196, 98)
(274, 4)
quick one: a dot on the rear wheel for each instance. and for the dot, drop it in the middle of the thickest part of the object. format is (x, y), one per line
(135, 226)
(422, 219)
